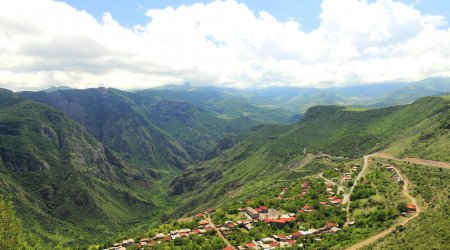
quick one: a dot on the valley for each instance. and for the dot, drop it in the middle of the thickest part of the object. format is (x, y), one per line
(295, 219)
(103, 168)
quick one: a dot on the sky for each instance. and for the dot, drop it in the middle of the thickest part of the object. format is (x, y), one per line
(137, 44)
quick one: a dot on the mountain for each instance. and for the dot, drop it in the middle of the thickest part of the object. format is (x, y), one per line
(273, 151)
(226, 103)
(66, 185)
(144, 129)
(56, 88)
(115, 120)
(298, 100)
(405, 95)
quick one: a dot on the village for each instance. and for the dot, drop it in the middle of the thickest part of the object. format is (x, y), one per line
(309, 210)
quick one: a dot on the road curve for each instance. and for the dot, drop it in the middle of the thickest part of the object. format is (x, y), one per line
(382, 234)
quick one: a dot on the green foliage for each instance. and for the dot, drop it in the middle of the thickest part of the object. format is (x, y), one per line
(401, 207)
(11, 232)
(430, 229)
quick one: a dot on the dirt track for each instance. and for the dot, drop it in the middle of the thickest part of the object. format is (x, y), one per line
(430, 163)
(382, 234)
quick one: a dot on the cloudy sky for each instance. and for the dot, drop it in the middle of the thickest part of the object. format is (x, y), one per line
(256, 43)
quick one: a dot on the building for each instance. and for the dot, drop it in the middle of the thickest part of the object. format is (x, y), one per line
(411, 208)
(252, 213)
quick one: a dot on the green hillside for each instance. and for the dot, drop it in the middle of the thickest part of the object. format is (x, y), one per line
(116, 121)
(428, 231)
(67, 186)
(270, 152)
(144, 129)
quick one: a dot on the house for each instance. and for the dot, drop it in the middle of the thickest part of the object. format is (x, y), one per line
(411, 208)
(230, 224)
(251, 245)
(159, 236)
(336, 201)
(210, 210)
(323, 203)
(203, 222)
(199, 216)
(278, 223)
(290, 242)
(128, 243)
(228, 248)
(305, 185)
(307, 208)
(280, 237)
(282, 221)
(330, 225)
(252, 213)
(328, 185)
(264, 209)
(167, 238)
(266, 246)
(334, 230)
(297, 235)
(273, 244)
(248, 226)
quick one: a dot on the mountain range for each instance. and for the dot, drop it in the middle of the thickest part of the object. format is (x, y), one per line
(82, 166)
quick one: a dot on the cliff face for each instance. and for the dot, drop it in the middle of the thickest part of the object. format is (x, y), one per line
(59, 175)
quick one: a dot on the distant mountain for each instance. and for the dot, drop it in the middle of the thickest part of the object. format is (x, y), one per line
(56, 88)
(63, 181)
(145, 129)
(227, 103)
(405, 95)
(298, 100)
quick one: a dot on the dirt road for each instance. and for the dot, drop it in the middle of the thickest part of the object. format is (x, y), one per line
(382, 234)
(340, 188)
(218, 231)
(430, 163)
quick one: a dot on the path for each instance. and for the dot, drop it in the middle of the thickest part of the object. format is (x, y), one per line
(340, 188)
(382, 234)
(218, 231)
(358, 177)
(430, 163)
(405, 191)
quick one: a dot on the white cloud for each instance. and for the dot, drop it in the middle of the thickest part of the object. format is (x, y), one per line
(44, 43)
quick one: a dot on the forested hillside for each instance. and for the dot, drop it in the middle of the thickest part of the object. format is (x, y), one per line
(64, 182)
(271, 151)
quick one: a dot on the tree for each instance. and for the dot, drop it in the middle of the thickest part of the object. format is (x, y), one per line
(402, 207)
(11, 234)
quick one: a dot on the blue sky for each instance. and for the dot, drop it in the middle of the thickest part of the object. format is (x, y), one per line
(306, 12)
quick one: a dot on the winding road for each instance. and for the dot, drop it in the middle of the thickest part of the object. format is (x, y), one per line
(405, 191)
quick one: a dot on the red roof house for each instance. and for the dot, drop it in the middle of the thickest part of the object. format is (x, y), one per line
(411, 207)
(296, 234)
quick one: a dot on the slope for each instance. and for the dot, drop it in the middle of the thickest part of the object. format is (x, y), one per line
(268, 152)
(67, 186)
(116, 121)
